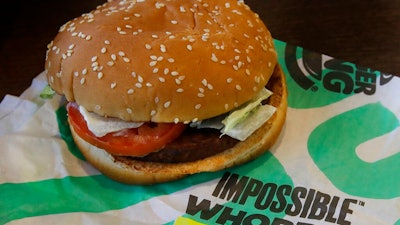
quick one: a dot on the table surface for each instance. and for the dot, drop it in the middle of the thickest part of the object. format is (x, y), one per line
(366, 33)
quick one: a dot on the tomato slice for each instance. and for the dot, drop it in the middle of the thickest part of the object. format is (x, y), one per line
(149, 137)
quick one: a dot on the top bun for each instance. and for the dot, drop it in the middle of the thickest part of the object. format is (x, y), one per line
(162, 60)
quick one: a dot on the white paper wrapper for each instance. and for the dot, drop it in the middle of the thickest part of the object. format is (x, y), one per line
(337, 161)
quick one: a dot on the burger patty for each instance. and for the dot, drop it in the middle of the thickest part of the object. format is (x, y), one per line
(194, 144)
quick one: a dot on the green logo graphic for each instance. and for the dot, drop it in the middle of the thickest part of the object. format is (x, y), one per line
(323, 80)
(334, 142)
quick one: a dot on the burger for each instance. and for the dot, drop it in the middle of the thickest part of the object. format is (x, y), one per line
(161, 89)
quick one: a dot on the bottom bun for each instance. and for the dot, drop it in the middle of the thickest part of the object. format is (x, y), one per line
(131, 171)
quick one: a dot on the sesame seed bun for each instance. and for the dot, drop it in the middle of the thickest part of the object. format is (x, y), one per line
(162, 61)
(167, 61)
(132, 171)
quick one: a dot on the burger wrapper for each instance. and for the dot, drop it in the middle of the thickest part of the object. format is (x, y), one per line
(337, 161)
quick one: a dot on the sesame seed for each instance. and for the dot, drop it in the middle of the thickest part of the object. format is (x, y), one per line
(129, 110)
(82, 81)
(226, 106)
(97, 107)
(167, 104)
(100, 75)
(137, 15)
(182, 9)
(138, 85)
(76, 73)
(103, 50)
(147, 46)
(160, 58)
(174, 73)
(69, 53)
(162, 48)
(189, 47)
(248, 59)
(110, 63)
(152, 63)
(113, 85)
(155, 70)
(88, 38)
(140, 79)
(174, 22)
(130, 91)
(166, 71)
(247, 72)
(159, 5)
(113, 57)
(126, 59)
(94, 58)
(154, 36)
(121, 53)
(176, 120)
(200, 95)
(162, 79)
(238, 87)
(149, 84)
(198, 106)
(229, 80)
(179, 90)
(156, 100)
(171, 60)
(153, 112)
(107, 42)
(84, 71)
(71, 46)
(214, 58)
(133, 74)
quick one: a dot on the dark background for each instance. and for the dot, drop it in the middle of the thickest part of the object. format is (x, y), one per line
(363, 32)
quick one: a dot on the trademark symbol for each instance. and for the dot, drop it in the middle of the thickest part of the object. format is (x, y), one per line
(361, 203)
(314, 88)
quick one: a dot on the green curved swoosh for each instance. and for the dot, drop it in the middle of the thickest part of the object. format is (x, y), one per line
(81, 194)
(336, 140)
